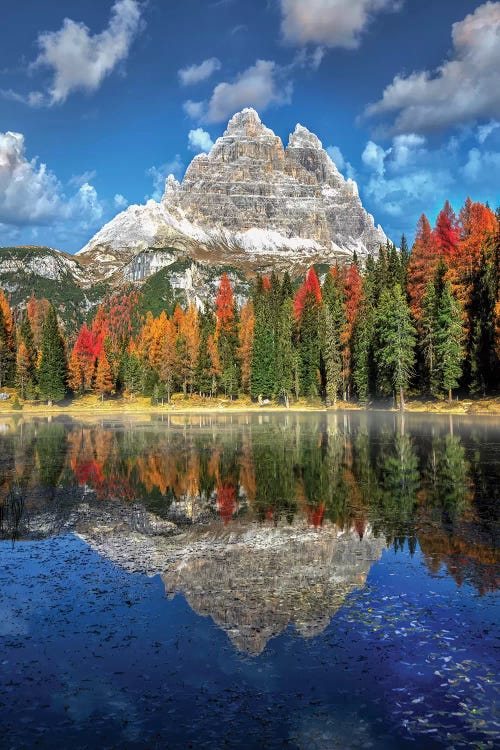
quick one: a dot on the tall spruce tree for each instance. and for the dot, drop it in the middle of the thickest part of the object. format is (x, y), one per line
(395, 342)
(284, 380)
(264, 353)
(309, 347)
(449, 341)
(52, 371)
(333, 321)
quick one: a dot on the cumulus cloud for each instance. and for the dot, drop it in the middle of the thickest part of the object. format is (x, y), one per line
(200, 140)
(333, 23)
(29, 192)
(259, 86)
(194, 110)
(80, 60)
(480, 163)
(196, 73)
(31, 195)
(120, 201)
(463, 89)
(160, 173)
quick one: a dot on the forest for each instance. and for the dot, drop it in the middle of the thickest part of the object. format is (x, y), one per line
(420, 322)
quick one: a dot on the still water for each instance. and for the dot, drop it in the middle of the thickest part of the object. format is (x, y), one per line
(250, 581)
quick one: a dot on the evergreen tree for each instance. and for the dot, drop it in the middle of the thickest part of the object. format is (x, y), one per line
(285, 356)
(52, 370)
(404, 253)
(362, 372)
(449, 338)
(332, 326)
(26, 361)
(263, 379)
(131, 372)
(395, 342)
(204, 376)
(309, 347)
(481, 363)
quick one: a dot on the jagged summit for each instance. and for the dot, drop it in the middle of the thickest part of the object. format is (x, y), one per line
(251, 203)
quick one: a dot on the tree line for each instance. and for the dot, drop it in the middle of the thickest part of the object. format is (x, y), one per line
(421, 322)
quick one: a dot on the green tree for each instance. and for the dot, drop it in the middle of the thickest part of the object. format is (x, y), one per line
(449, 339)
(309, 347)
(52, 372)
(264, 349)
(333, 321)
(284, 351)
(395, 342)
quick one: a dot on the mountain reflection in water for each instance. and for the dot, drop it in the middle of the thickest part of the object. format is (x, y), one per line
(344, 567)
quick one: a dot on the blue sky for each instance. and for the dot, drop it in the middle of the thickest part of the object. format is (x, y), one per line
(99, 100)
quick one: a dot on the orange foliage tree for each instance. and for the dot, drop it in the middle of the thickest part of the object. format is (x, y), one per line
(424, 259)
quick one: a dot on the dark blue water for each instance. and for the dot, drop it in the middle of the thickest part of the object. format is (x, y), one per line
(93, 655)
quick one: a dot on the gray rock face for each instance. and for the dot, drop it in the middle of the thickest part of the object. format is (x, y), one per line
(251, 202)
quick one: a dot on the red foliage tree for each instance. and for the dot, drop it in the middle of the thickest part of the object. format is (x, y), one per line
(446, 232)
(310, 286)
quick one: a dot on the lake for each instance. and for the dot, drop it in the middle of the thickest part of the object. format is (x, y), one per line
(309, 581)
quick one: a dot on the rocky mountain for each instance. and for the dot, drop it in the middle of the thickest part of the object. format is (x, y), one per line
(248, 206)
(250, 202)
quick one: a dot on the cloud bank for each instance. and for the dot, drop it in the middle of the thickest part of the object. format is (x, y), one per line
(332, 23)
(463, 89)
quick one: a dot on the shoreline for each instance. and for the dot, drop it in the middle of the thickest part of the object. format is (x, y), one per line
(91, 406)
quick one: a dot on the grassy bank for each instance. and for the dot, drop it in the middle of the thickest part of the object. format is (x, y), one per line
(92, 405)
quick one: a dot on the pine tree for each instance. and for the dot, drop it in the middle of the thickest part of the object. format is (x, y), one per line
(363, 353)
(7, 345)
(285, 355)
(25, 336)
(103, 378)
(332, 328)
(395, 341)
(52, 371)
(264, 346)
(245, 348)
(23, 369)
(204, 374)
(449, 338)
(309, 347)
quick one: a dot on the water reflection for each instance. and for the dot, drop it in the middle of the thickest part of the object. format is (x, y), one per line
(427, 482)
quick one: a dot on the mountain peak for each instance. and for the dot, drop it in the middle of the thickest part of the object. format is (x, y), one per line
(303, 138)
(247, 123)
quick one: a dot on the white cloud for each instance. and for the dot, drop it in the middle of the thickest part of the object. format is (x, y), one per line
(374, 157)
(481, 163)
(333, 23)
(200, 140)
(196, 73)
(29, 192)
(80, 60)
(120, 201)
(159, 175)
(259, 86)
(77, 180)
(463, 89)
(194, 109)
(31, 195)
(484, 131)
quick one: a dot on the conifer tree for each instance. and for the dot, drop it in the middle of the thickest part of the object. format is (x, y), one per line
(103, 377)
(7, 344)
(395, 342)
(25, 336)
(449, 339)
(264, 352)
(52, 370)
(362, 372)
(245, 348)
(285, 355)
(333, 325)
(307, 309)
(204, 376)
